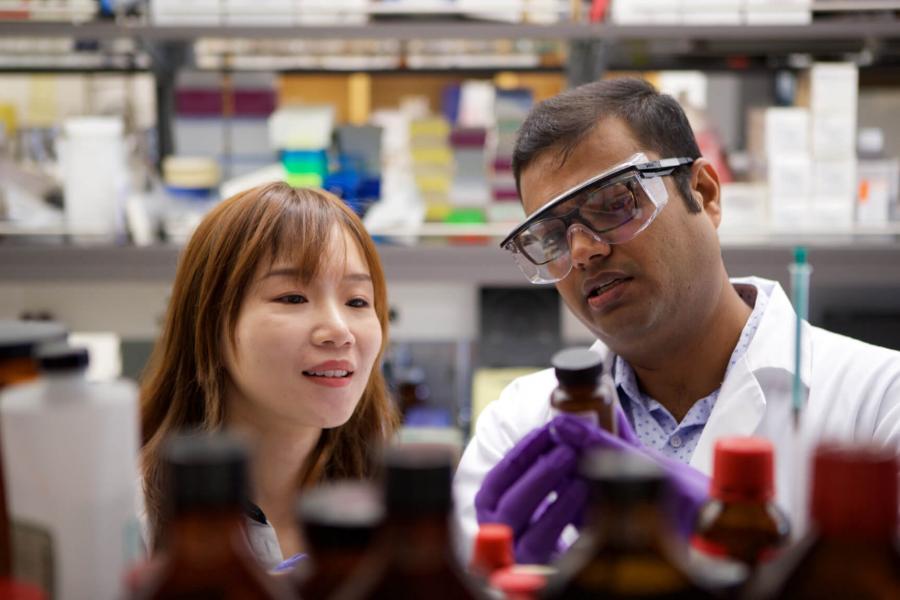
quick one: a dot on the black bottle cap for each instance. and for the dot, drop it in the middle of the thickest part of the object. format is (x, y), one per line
(60, 356)
(621, 477)
(341, 514)
(18, 339)
(206, 471)
(577, 366)
(417, 478)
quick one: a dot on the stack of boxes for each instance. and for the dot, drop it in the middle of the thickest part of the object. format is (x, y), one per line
(711, 12)
(432, 159)
(257, 12)
(302, 135)
(511, 106)
(834, 93)
(811, 154)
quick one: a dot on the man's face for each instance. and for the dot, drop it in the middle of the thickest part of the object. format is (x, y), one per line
(648, 289)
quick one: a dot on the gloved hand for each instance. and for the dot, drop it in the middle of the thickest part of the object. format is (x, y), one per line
(515, 491)
(689, 487)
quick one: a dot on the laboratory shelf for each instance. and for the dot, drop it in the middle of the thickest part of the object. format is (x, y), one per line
(859, 29)
(471, 256)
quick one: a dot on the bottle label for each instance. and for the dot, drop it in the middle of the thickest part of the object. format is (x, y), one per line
(32, 555)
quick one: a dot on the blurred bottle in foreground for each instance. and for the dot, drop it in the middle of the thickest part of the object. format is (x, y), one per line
(206, 551)
(627, 550)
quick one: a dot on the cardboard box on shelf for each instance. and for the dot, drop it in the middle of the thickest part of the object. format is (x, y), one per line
(786, 131)
(646, 12)
(834, 136)
(778, 12)
(790, 177)
(834, 88)
(834, 179)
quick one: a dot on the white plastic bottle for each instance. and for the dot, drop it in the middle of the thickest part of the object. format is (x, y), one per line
(70, 459)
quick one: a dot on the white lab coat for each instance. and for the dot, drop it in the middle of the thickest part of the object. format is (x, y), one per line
(853, 396)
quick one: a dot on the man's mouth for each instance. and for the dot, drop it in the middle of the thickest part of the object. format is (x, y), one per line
(597, 291)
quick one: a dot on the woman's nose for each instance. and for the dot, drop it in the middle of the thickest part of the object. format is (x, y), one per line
(584, 245)
(331, 328)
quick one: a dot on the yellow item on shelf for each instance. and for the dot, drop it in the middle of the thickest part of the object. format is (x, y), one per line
(438, 155)
(435, 127)
(488, 383)
(8, 118)
(436, 211)
(191, 172)
(304, 180)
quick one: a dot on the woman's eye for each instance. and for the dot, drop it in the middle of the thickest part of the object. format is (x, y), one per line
(291, 299)
(358, 303)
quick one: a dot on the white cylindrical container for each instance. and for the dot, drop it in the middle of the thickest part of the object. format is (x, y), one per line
(70, 460)
(92, 154)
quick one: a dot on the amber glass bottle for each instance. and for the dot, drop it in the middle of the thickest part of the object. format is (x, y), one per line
(18, 341)
(339, 521)
(580, 389)
(207, 555)
(852, 551)
(412, 558)
(626, 550)
(740, 521)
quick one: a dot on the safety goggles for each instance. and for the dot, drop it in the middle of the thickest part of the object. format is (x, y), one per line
(612, 207)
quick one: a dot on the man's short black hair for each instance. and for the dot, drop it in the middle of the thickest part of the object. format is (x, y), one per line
(656, 120)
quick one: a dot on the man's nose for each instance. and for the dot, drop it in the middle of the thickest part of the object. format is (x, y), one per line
(584, 245)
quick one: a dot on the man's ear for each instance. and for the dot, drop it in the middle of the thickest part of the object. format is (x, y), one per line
(706, 190)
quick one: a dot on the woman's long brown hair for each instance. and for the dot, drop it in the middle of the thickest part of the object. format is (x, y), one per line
(184, 383)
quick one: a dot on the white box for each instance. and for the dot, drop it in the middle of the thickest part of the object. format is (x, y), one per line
(834, 179)
(790, 177)
(712, 12)
(786, 131)
(778, 12)
(744, 207)
(790, 213)
(259, 12)
(834, 136)
(834, 88)
(186, 12)
(832, 214)
(646, 12)
(877, 190)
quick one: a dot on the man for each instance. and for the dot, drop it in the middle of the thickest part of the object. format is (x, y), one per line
(622, 218)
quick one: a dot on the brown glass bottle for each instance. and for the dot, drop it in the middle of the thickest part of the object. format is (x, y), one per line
(18, 341)
(339, 521)
(412, 558)
(580, 389)
(852, 549)
(626, 550)
(740, 522)
(206, 552)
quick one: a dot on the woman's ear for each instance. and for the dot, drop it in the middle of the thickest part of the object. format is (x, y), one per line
(706, 190)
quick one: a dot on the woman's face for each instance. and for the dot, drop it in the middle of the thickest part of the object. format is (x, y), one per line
(304, 351)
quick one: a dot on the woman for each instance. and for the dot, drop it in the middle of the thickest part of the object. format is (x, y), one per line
(275, 330)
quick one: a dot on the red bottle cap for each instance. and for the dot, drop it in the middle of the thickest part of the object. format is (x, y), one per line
(743, 470)
(18, 590)
(855, 492)
(519, 582)
(493, 548)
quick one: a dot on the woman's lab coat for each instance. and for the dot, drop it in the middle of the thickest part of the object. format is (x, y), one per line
(852, 391)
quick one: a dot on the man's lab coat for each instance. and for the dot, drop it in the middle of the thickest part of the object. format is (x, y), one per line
(852, 392)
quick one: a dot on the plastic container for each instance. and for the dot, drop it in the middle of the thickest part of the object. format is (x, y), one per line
(70, 458)
(492, 550)
(93, 204)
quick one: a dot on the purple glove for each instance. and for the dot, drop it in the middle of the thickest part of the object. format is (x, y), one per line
(689, 487)
(515, 491)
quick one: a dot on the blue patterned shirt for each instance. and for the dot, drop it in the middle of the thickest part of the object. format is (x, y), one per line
(653, 423)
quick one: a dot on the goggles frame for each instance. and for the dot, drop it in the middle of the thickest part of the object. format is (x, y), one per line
(637, 166)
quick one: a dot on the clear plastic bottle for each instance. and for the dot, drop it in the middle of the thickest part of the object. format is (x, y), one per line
(582, 387)
(207, 554)
(70, 458)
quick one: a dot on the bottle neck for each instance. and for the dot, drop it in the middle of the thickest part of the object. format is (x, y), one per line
(206, 536)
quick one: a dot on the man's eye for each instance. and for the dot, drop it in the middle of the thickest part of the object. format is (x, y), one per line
(291, 299)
